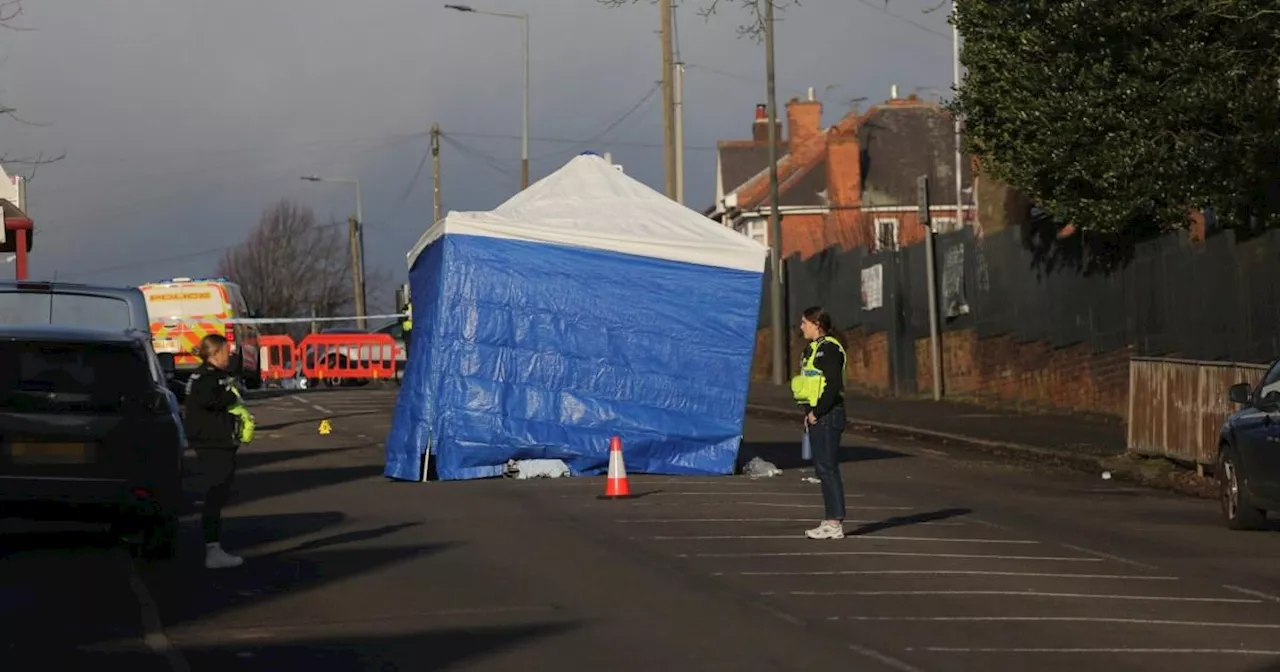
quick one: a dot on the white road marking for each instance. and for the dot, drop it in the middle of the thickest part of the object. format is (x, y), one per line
(765, 520)
(322, 409)
(700, 493)
(153, 630)
(816, 505)
(1252, 593)
(960, 572)
(1108, 556)
(1239, 652)
(894, 554)
(868, 537)
(1014, 593)
(1057, 619)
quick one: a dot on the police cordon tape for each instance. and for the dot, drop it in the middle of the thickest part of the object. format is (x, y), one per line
(279, 320)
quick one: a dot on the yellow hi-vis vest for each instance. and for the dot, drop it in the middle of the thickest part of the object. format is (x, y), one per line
(807, 387)
(245, 422)
(407, 323)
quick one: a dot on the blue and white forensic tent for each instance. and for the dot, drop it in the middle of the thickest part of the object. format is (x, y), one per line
(586, 306)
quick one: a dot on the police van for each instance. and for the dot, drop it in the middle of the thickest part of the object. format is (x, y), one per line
(184, 310)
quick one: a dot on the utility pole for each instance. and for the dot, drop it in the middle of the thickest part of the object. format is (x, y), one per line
(357, 273)
(930, 256)
(679, 130)
(360, 297)
(777, 317)
(668, 99)
(955, 75)
(435, 174)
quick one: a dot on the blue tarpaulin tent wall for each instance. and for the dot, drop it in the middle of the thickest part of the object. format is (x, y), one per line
(586, 306)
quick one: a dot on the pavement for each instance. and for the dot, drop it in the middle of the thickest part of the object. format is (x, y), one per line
(957, 560)
(1081, 441)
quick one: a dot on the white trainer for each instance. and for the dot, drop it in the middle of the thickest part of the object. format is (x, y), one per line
(216, 558)
(826, 530)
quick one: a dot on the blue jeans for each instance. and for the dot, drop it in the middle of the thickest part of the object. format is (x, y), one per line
(824, 441)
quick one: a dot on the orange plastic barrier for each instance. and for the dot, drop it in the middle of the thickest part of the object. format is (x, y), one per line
(278, 356)
(348, 356)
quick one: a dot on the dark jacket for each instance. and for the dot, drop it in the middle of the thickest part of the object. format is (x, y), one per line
(831, 363)
(209, 395)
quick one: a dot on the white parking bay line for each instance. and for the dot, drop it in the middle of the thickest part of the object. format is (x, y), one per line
(959, 572)
(764, 520)
(723, 537)
(702, 493)
(1238, 652)
(1057, 619)
(1013, 593)
(895, 554)
(1252, 593)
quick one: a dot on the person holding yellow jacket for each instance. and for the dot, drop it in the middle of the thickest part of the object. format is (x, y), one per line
(217, 423)
(819, 389)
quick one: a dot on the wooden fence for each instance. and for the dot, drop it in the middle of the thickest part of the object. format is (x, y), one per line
(1177, 406)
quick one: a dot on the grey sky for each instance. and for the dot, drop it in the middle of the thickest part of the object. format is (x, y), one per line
(181, 120)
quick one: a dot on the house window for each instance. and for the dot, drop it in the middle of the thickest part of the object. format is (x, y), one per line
(758, 230)
(886, 233)
(945, 224)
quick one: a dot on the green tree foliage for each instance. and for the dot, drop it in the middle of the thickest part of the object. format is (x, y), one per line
(1121, 115)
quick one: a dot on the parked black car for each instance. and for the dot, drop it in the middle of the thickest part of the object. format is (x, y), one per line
(89, 432)
(1249, 454)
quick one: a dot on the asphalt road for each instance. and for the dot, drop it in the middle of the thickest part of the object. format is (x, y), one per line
(961, 562)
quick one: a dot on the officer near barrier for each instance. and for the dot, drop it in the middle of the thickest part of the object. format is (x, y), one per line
(406, 327)
(217, 424)
(819, 389)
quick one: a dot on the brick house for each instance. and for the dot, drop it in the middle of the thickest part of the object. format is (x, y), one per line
(850, 185)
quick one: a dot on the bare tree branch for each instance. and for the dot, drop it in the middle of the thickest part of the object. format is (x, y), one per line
(10, 10)
(288, 265)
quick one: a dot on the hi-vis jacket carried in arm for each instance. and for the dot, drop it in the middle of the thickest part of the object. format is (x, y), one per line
(807, 388)
(216, 415)
(245, 423)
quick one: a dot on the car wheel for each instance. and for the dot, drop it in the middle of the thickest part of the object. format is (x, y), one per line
(1237, 511)
(159, 539)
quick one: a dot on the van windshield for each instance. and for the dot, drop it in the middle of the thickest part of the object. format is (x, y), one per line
(64, 309)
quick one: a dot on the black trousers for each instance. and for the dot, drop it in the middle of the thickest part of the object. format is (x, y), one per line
(824, 442)
(219, 467)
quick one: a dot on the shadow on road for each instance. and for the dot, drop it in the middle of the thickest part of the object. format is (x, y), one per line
(420, 651)
(786, 455)
(907, 521)
(185, 592)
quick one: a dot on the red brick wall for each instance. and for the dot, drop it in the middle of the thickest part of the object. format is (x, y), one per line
(1032, 375)
(867, 363)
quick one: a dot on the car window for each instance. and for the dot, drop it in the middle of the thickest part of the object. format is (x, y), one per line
(65, 309)
(1270, 382)
(50, 376)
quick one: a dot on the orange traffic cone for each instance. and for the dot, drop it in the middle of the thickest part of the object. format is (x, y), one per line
(617, 486)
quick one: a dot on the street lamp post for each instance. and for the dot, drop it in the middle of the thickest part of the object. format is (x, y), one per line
(524, 138)
(356, 235)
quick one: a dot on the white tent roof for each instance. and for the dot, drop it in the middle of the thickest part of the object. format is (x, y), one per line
(590, 204)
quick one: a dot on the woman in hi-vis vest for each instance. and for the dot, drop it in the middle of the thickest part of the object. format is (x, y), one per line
(819, 389)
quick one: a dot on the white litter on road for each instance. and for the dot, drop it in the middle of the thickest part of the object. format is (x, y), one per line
(526, 469)
(758, 468)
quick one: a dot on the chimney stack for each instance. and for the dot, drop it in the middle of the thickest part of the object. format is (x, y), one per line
(760, 129)
(804, 121)
(893, 92)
